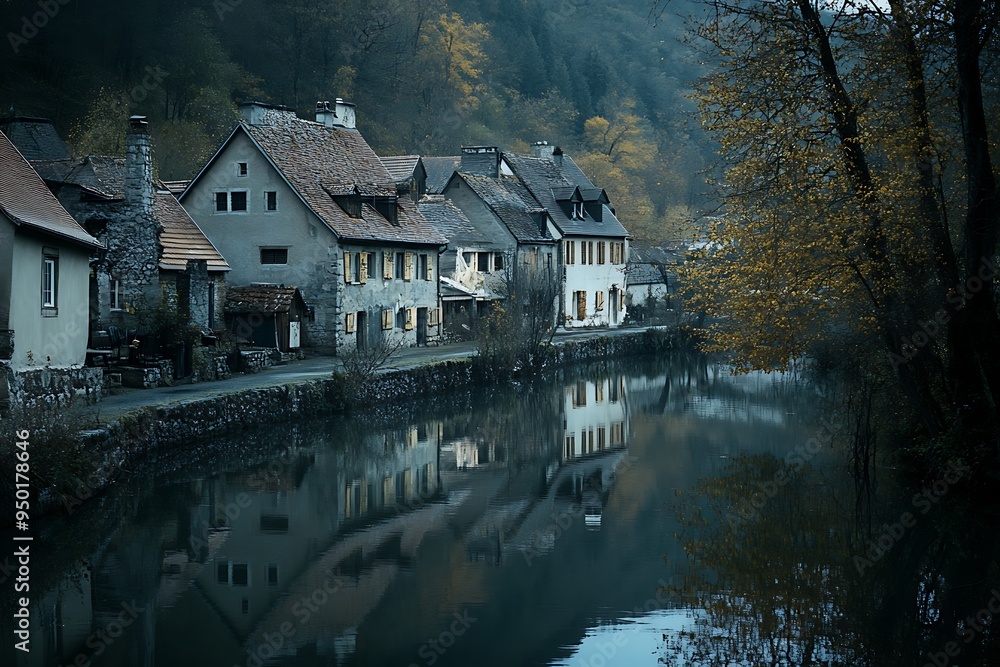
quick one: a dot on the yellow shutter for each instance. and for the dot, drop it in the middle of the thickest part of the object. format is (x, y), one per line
(433, 317)
(347, 267)
(387, 265)
(411, 318)
(430, 268)
(364, 268)
(600, 301)
(386, 319)
(352, 322)
(408, 266)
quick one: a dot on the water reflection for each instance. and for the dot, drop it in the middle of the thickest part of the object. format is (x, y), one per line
(488, 528)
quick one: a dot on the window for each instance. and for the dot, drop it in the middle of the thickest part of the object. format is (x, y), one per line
(411, 318)
(422, 267)
(234, 201)
(370, 264)
(117, 294)
(274, 255)
(498, 262)
(600, 252)
(602, 437)
(272, 575)
(241, 169)
(238, 200)
(570, 252)
(401, 318)
(271, 201)
(387, 265)
(408, 266)
(50, 281)
(581, 305)
(228, 572)
(599, 391)
(400, 265)
(428, 268)
(483, 262)
(599, 301)
(580, 394)
(578, 211)
(386, 320)
(570, 446)
(360, 271)
(274, 523)
(590, 252)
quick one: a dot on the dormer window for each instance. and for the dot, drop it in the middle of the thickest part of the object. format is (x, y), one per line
(578, 210)
(241, 169)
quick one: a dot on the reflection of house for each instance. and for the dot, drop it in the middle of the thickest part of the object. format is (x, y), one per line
(153, 246)
(596, 416)
(594, 244)
(304, 203)
(44, 264)
(268, 316)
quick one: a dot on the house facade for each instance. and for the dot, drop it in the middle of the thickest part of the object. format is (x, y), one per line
(308, 204)
(593, 244)
(154, 250)
(44, 264)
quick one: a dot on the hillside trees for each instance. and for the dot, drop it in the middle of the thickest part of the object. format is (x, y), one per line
(859, 205)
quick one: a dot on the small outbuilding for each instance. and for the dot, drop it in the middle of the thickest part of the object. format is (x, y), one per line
(269, 316)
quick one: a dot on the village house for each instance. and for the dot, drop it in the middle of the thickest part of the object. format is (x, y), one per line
(593, 243)
(518, 244)
(652, 282)
(409, 173)
(44, 264)
(308, 204)
(154, 250)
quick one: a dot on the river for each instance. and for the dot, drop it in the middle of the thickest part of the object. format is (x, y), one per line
(632, 513)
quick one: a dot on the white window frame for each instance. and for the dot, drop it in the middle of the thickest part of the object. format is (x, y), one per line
(229, 201)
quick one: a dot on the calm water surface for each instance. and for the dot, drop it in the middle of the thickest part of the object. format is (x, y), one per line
(620, 515)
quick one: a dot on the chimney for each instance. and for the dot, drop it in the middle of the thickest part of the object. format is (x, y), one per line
(341, 114)
(557, 157)
(259, 113)
(542, 149)
(481, 161)
(138, 165)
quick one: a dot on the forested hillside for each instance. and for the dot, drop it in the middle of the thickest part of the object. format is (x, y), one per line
(601, 79)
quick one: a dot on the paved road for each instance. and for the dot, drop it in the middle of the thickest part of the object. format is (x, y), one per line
(311, 368)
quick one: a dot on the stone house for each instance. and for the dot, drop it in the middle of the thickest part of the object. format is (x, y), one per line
(308, 204)
(517, 228)
(154, 250)
(44, 264)
(593, 243)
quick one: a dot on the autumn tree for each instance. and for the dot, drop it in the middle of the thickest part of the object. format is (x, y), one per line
(859, 197)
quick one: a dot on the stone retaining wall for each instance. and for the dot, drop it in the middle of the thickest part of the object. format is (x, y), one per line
(182, 424)
(48, 391)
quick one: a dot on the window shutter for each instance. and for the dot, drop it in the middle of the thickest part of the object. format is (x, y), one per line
(411, 318)
(364, 268)
(430, 268)
(352, 322)
(408, 266)
(347, 268)
(600, 301)
(386, 319)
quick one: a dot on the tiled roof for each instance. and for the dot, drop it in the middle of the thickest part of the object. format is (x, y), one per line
(35, 138)
(401, 167)
(451, 222)
(542, 177)
(439, 171)
(182, 239)
(262, 298)
(25, 199)
(319, 161)
(512, 203)
(97, 174)
(643, 261)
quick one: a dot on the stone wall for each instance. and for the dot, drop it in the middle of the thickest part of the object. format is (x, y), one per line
(149, 429)
(49, 391)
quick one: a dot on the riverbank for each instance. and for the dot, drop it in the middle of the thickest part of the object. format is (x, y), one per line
(97, 443)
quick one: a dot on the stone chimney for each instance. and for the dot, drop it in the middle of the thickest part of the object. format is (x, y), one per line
(481, 161)
(542, 149)
(557, 157)
(138, 165)
(341, 114)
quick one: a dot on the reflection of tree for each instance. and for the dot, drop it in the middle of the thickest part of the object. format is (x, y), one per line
(774, 578)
